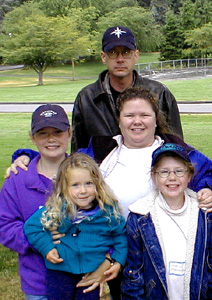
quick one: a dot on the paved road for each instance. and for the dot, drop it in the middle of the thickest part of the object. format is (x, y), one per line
(184, 107)
(5, 68)
(29, 107)
(195, 107)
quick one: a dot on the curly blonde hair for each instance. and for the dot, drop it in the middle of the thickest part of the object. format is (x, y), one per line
(59, 204)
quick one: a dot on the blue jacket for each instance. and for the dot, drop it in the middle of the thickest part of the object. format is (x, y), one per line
(144, 274)
(83, 252)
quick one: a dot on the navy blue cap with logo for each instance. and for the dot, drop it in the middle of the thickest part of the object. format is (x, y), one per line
(170, 148)
(49, 115)
(118, 36)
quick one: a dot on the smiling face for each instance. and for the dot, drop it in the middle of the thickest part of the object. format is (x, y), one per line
(120, 66)
(172, 187)
(137, 122)
(81, 188)
(51, 142)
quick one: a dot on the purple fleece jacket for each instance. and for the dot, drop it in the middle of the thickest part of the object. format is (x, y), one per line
(20, 196)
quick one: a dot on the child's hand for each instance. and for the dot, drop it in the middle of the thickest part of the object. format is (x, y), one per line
(112, 272)
(204, 196)
(21, 162)
(53, 256)
(56, 235)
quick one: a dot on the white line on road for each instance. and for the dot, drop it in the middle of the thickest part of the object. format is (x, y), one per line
(193, 108)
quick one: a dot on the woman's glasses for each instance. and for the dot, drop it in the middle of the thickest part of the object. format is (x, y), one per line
(165, 173)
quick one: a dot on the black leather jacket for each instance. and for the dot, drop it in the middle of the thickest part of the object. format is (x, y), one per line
(95, 114)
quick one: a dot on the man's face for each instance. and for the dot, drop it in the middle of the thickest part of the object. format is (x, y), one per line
(120, 61)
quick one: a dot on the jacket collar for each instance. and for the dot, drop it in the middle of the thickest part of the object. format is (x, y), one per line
(103, 145)
(106, 81)
(146, 204)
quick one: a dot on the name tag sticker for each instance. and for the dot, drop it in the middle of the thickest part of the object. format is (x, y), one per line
(176, 268)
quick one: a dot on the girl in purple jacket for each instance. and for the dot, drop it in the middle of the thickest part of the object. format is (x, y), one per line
(22, 194)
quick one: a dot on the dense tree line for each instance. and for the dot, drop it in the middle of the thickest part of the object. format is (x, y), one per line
(185, 33)
(40, 32)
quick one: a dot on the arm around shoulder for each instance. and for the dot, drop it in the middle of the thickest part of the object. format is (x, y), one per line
(28, 152)
(203, 171)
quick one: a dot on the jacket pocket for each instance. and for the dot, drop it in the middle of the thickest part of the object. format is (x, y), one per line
(133, 275)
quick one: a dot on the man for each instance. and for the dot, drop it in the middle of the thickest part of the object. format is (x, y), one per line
(94, 111)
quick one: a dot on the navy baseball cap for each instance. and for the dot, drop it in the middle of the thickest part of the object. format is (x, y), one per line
(118, 36)
(49, 115)
(170, 148)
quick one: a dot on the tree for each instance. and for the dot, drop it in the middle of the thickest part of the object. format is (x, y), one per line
(202, 12)
(171, 48)
(63, 7)
(101, 7)
(144, 3)
(85, 19)
(200, 41)
(139, 20)
(174, 5)
(187, 12)
(123, 3)
(6, 6)
(38, 41)
(159, 9)
(54, 8)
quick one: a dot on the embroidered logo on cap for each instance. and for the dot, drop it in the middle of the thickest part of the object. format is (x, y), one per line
(118, 32)
(48, 113)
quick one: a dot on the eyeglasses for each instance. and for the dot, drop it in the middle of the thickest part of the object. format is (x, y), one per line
(125, 53)
(165, 173)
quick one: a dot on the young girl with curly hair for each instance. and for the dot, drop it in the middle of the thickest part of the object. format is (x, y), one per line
(83, 207)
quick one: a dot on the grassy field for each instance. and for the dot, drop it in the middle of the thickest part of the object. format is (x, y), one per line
(65, 90)
(21, 85)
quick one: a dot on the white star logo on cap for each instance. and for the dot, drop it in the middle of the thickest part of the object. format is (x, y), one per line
(118, 32)
(48, 113)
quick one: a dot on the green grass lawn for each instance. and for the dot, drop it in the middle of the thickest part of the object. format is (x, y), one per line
(191, 89)
(21, 85)
(24, 88)
(60, 91)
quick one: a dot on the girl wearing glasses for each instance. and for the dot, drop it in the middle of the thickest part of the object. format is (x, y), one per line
(169, 237)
